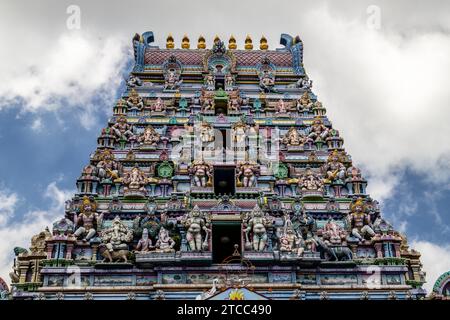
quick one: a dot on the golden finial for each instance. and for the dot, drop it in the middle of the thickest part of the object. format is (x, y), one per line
(169, 42)
(232, 43)
(248, 43)
(216, 38)
(185, 42)
(201, 43)
(263, 43)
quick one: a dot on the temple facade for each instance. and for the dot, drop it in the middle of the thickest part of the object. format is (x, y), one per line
(219, 176)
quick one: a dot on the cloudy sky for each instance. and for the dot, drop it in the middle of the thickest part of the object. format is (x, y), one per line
(381, 68)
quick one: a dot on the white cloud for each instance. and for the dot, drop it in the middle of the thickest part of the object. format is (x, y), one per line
(8, 201)
(76, 71)
(18, 230)
(435, 260)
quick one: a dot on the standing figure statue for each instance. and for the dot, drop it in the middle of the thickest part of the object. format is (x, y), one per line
(206, 132)
(164, 243)
(256, 225)
(334, 170)
(196, 224)
(88, 220)
(248, 170)
(359, 221)
(210, 82)
(202, 173)
(122, 130)
(229, 81)
(135, 100)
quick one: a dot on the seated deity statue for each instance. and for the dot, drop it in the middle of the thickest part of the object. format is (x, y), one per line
(334, 171)
(172, 80)
(87, 220)
(134, 81)
(281, 107)
(289, 241)
(310, 181)
(359, 221)
(149, 137)
(108, 168)
(201, 172)
(117, 236)
(354, 174)
(255, 225)
(197, 231)
(135, 100)
(234, 104)
(135, 181)
(145, 243)
(248, 171)
(304, 103)
(318, 131)
(158, 106)
(293, 138)
(267, 82)
(122, 130)
(333, 233)
(164, 243)
(207, 104)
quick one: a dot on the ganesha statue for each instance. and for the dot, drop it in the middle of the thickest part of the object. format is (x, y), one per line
(255, 229)
(293, 138)
(165, 243)
(134, 182)
(333, 233)
(267, 82)
(197, 229)
(310, 181)
(149, 137)
(158, 106)
(115, 241)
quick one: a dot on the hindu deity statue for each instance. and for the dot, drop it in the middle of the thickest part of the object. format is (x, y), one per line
(293, 138)
(207, 104)
(158, 106)
(135, 181)
(87, 220)
(310, 181)
(281, 107)
(229, 81)
(267, 82)
(134, 81)
(206, 132)
(196, 224)
(256, 224)
(145, 243)
(334, 170)
(202, 173)
(122, 130)
(234, 104)
(359, 221)
(135, 100)
(210, 82)
(305, 226)
(164, 243)
(333, 233)
(249, 171)
(172, 80)
(107, 167)
(149, 137)
(238, 132)
(303, 83)
(354, 174)
(117, 236)
(318, 131)
(304, 102)
(290, 242)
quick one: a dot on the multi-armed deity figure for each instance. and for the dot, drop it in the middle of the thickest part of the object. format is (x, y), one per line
(201, 172)
(359, 221)
(149, 137)
(135, 181)
(249, 171)
(165, 243)
(256, 224)
(234, 104)
(310, 180)
(207, 104)
(267, 82)
(290, 242)
(334, 170)
(293, 138)
(172, 80)
(158, 105)
(319, 131)
(135, 100)
(333, 233)
(305, 226)
(206, 132)
(281, 107)
(304, 103)
(116, 239)
(196, 223)
(122, 130)
(88, 220)
(108, 168)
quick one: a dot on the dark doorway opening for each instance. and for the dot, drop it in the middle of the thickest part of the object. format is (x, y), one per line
(224, 180)
(220, 82)
(225, 236)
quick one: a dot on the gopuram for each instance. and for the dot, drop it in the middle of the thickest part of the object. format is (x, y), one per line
(218, 176)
